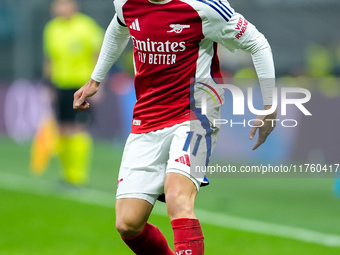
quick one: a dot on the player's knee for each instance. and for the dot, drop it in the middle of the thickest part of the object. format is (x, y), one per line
(127, 228)
(179, 205)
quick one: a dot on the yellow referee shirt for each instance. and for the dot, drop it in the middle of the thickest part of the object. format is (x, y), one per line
(71, 46)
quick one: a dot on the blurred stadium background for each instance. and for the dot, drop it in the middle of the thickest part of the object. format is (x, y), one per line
(240, 216)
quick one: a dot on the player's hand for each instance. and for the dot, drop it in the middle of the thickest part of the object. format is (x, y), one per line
(265, 130)
(88, 90)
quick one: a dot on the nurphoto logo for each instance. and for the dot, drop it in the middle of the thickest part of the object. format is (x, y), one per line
(239, 104)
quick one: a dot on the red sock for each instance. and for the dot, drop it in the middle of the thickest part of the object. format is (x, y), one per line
(188, 237)
(150, 241)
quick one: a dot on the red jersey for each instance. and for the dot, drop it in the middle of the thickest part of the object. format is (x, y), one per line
(174, 42)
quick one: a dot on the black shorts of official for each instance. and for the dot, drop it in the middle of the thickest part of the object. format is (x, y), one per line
(64, 108)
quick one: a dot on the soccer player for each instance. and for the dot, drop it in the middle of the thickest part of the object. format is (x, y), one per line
(72, 43)
(174, 49)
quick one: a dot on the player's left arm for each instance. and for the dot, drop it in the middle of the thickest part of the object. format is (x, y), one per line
(235, 32)
(247, 38)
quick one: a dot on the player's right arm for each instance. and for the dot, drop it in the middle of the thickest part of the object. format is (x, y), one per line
(115, 40)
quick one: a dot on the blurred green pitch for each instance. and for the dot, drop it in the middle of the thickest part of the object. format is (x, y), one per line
(58, 223)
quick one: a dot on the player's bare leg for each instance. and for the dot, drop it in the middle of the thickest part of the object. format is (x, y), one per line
(131, 222)
(180, 194)
(131, 216)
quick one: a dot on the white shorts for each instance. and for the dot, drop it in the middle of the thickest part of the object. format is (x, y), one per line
(149, 156)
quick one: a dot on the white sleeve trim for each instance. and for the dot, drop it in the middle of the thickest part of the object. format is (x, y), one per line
(115, 41)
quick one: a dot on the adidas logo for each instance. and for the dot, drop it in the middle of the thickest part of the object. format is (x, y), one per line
(184, 160)
(135, 25)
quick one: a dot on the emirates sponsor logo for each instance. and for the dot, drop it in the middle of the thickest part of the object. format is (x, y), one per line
(157, 53)
(160, 47)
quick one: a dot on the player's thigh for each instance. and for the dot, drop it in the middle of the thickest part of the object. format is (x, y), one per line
(180, 193)
(143, 166)
(132, 215)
